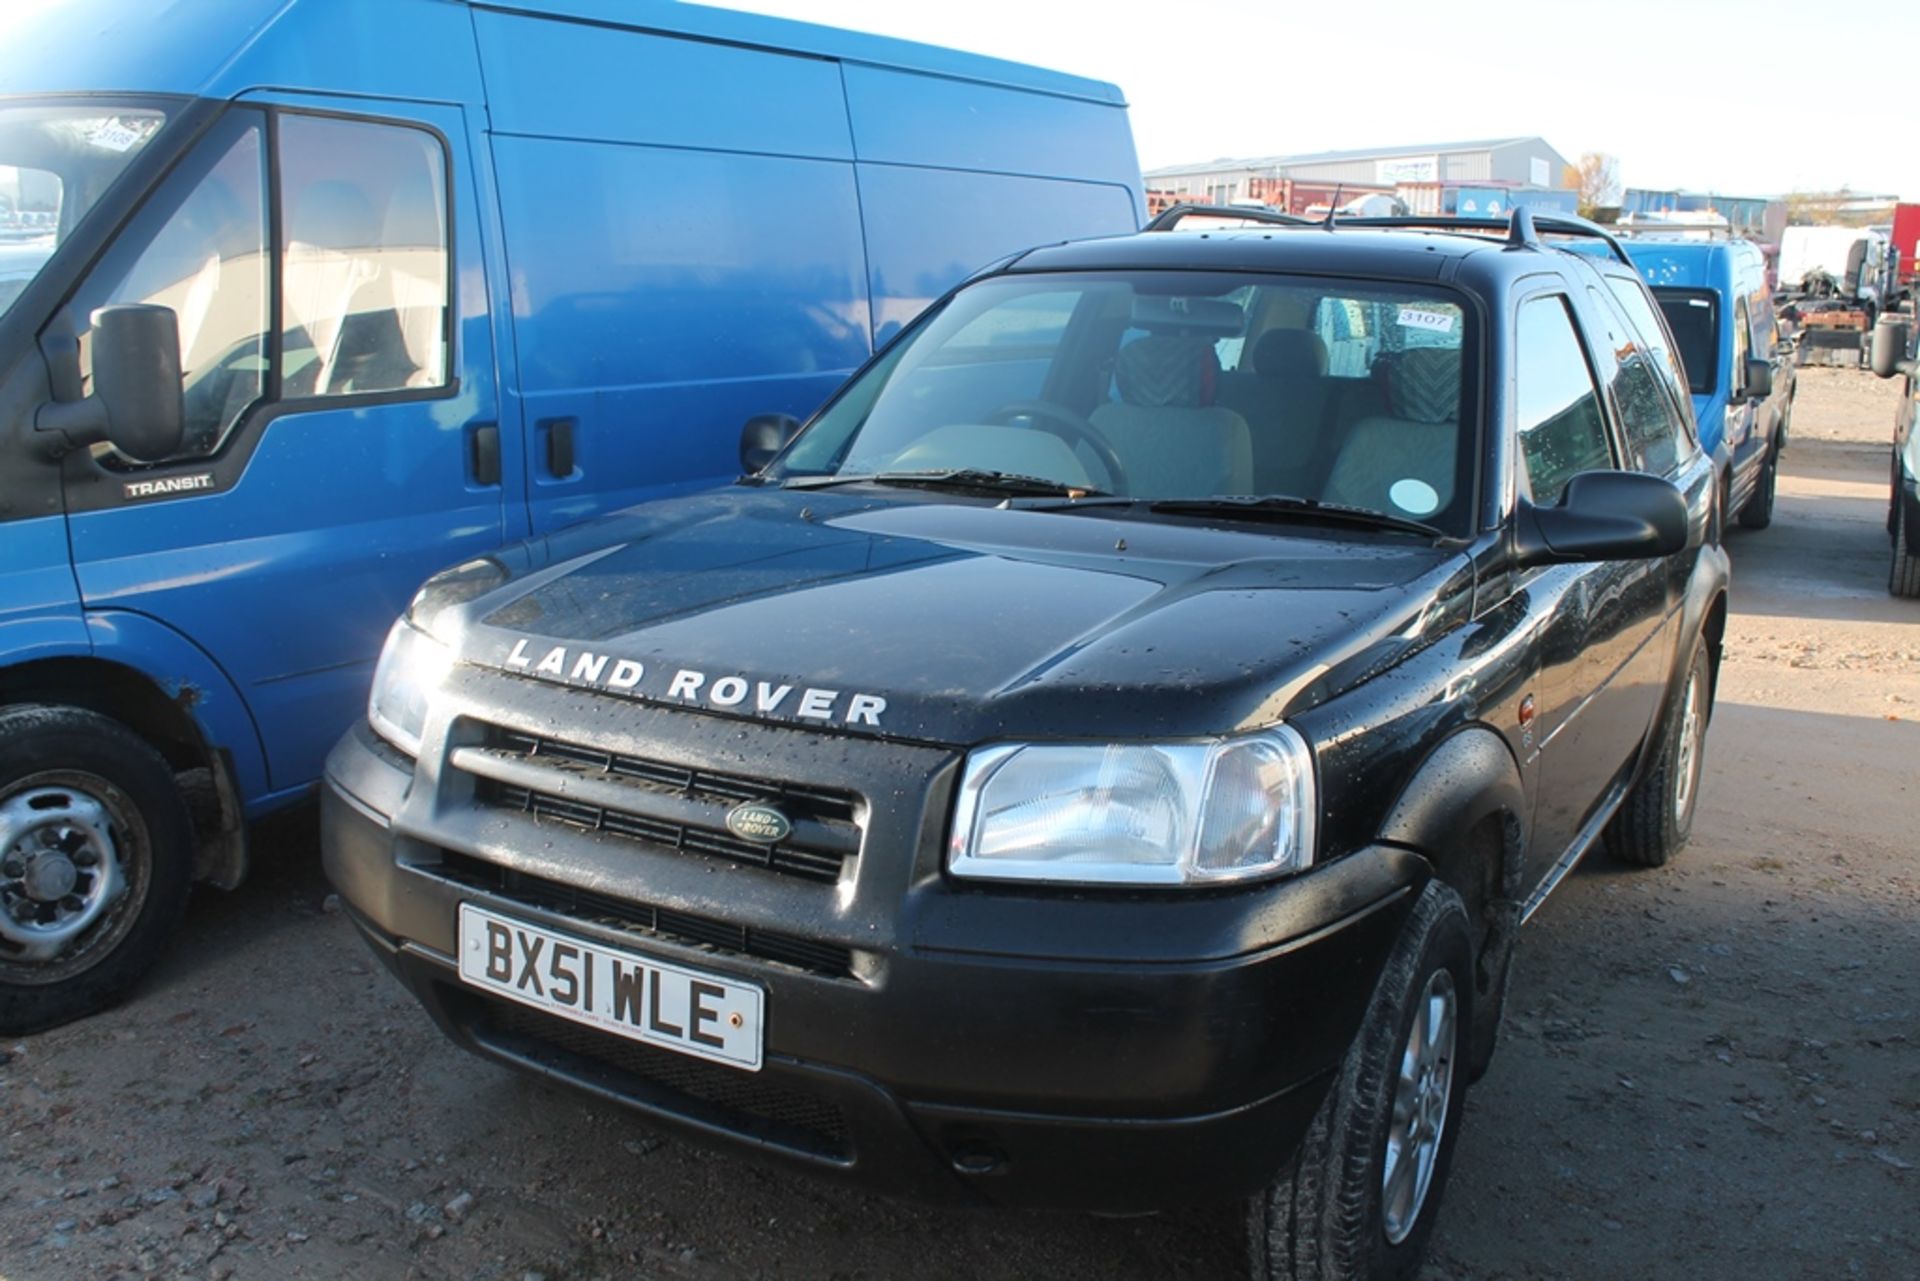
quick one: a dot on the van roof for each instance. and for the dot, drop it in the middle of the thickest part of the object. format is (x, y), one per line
(222, 47)
(1692, 264)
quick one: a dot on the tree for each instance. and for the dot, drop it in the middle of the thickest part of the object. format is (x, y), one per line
(1597, 180)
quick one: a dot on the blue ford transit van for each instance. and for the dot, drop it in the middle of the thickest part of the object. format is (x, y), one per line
(301, 300)
(1720, 311)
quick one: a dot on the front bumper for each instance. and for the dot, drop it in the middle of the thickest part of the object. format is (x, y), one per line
(1048, 1049)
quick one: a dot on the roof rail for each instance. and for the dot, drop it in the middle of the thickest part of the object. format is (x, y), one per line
(1170, 217)
(1522, 228)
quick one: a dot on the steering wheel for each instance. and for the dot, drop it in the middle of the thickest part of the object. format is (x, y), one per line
(1070, 427)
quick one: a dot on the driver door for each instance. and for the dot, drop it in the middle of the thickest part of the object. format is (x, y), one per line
(342, 438)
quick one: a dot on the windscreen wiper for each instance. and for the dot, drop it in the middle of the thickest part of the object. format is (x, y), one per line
(1286, 507)
(999, 482)
(1259, 507)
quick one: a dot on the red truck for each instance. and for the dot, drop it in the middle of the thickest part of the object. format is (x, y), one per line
(1906, 239)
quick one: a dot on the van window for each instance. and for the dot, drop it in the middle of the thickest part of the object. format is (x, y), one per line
(1562, 430)
(1742, 343)
(1694, 317)
(364, 211)
(206, 258)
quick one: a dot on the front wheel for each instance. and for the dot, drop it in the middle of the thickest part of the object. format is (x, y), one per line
(1359, 1197)
(1904, 578)
(96, 858)
(1656, 819)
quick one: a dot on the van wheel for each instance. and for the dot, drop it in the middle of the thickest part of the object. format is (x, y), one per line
(1359, 1197)
(1758, 513)
(1657, 817)
(1904, 579)
(96, 858)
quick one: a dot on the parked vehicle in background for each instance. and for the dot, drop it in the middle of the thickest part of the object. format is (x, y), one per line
(1893, 357)
(1720, 312)
(309, 326)
(1906, 247)
(1833, 282)
(1104, 761)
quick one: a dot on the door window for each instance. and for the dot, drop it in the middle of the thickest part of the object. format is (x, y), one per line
(365, 260)
(1562, 429)
(363, 268)
(206, 259)
(1742, 343)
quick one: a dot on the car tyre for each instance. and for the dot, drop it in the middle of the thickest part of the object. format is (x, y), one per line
(1656, 818)
(96, 860)
(1903, 579)
(1359, 1196)
(1758, 512)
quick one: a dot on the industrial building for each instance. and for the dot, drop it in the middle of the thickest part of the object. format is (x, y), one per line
(1486, 176)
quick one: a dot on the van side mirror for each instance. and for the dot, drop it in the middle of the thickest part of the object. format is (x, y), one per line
(1759, 378)
(764, 436)
(136, 405)
(1892, 340)
(1603, 515)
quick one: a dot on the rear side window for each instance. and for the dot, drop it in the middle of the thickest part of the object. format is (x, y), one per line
(1632, 297)
(1557, 406)
(1648, 414)
(365, 258)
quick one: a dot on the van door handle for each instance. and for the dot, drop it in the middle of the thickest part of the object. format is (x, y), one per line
(559, 434)
(483, 452)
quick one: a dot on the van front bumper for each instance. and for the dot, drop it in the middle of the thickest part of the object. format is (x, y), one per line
(1001, 1046)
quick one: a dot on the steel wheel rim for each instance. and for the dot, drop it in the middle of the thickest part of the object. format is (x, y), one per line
(1421, 1098)
(1692, 726)
(73, 874)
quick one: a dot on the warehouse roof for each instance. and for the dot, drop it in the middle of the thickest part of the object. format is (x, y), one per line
(1335, 157)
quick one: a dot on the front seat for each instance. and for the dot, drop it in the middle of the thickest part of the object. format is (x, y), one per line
(1284, 401)
(1172, 439)
(1404, 461)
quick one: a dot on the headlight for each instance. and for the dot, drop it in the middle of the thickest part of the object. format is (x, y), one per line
(1136, 813)
(409, 673)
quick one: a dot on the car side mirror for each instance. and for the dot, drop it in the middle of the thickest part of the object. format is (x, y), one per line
(1603, 515)
(764, 436)
(1759, 378)
(136, 405)
(1892, 340)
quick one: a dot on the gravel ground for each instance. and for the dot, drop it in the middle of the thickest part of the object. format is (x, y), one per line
(1709, 1070)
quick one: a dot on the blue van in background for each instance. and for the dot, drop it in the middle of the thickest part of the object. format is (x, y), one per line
(1720, 311)
(302, 300)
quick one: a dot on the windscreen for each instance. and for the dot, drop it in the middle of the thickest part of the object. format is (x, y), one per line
(55, 162)
(1175, 385)
(1695, 321)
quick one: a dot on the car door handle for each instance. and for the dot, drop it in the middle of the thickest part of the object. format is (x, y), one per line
(483, 453)
(559, 434)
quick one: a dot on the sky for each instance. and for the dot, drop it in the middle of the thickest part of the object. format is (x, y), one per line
(1684, 93)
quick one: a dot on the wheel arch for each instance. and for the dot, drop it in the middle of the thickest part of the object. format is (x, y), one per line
(192, 717)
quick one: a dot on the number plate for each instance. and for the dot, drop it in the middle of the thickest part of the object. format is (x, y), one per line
(617, 991)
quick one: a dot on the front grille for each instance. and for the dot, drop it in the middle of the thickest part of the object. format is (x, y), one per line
(743, 1102)
(671, 806)
(643, 920)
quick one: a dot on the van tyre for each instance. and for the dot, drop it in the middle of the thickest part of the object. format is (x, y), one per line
(1758, 513)
(96, 858)
(1359, 1197)
(1904, 578)
(1657, 817)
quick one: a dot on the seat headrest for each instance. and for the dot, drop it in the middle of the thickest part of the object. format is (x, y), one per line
(1424, 384)
(1164, 371)
(1290, 353)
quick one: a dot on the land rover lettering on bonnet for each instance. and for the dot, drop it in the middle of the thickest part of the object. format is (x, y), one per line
(1105, 759)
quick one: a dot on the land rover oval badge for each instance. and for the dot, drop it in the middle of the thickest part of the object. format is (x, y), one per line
(761, 824)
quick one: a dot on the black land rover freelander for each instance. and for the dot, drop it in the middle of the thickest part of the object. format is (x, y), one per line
(1104, 759)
